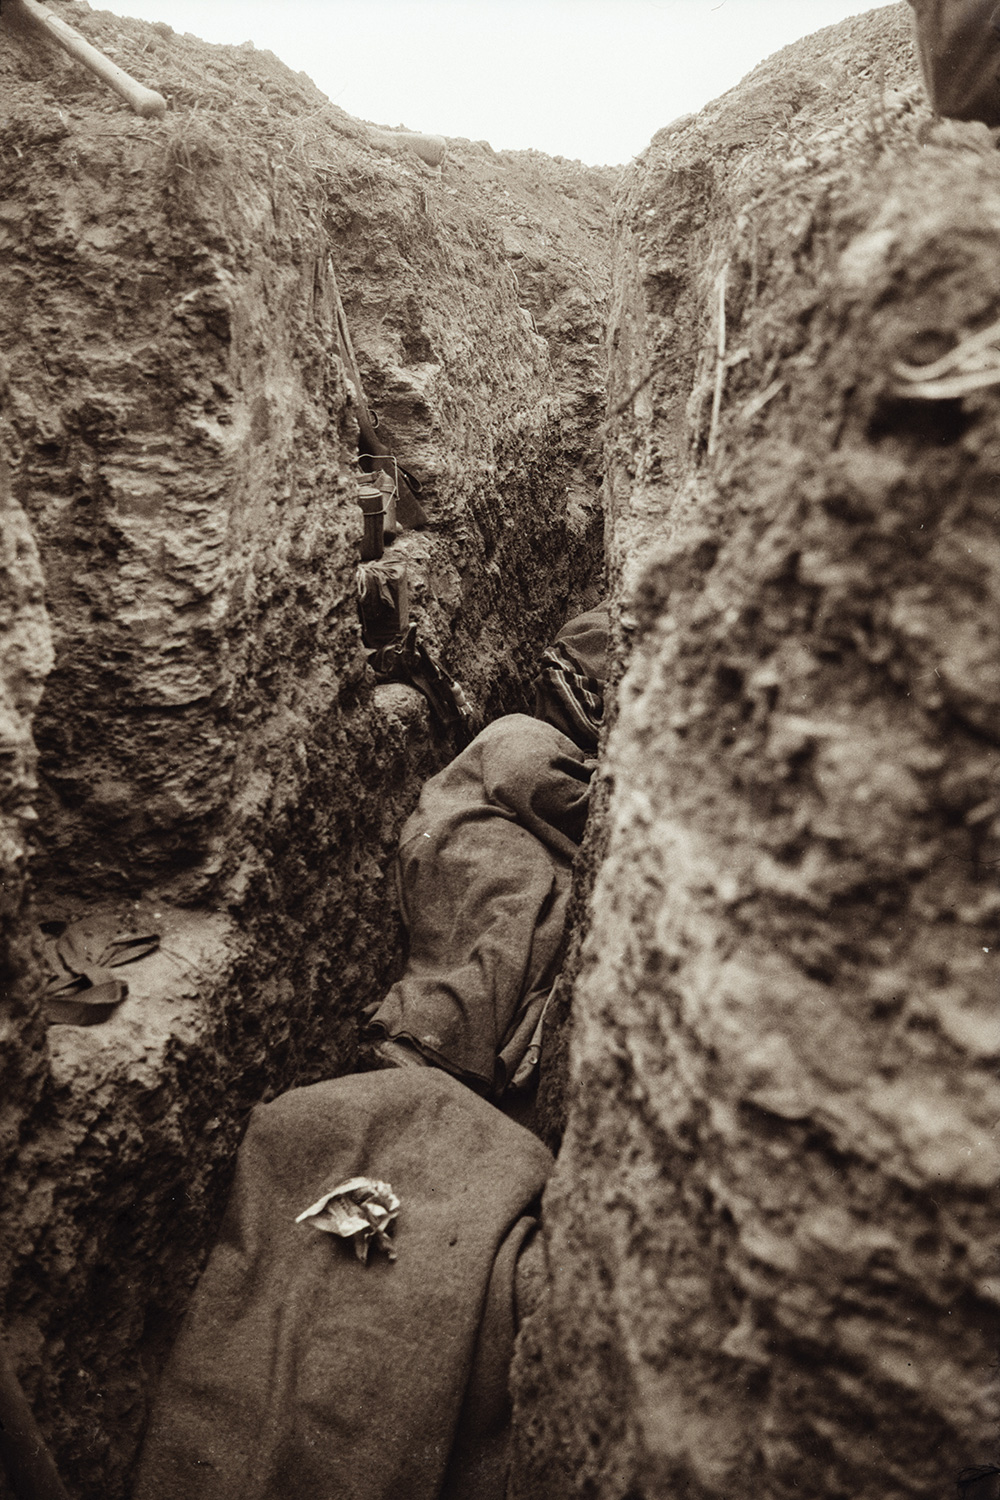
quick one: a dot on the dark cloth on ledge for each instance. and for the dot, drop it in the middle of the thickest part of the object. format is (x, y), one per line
(484, 873)
(302, 1372)
(958, 43)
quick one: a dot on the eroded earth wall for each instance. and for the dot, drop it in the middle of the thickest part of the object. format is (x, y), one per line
(771, 1234)
(214, 761)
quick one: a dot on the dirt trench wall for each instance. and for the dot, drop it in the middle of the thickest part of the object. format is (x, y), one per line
(771, 1234)
(25, 660)
(215, 762)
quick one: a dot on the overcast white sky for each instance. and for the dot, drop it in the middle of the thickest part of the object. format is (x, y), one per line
(592, 79)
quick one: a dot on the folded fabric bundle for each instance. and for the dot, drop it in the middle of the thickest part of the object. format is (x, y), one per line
(303, 1371)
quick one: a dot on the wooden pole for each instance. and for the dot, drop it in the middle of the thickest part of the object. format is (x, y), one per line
(145, 102)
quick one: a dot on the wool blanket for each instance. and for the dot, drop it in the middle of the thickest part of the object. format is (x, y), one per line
(300, 1371)
(484, 874)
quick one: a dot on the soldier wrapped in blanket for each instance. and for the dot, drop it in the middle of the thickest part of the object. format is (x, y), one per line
(483, 872)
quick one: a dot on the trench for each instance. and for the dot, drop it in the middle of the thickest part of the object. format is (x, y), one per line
(201, 312)
(770, 1065)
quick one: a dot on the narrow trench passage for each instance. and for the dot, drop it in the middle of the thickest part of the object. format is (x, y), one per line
(768, 1235)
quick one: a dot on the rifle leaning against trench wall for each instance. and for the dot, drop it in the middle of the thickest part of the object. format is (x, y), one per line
(381, 458)
(395, 653)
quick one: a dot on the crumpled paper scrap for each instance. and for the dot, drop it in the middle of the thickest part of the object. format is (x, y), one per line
(362, 1209)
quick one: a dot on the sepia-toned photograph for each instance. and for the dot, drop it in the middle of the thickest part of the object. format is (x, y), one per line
(499, 750)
